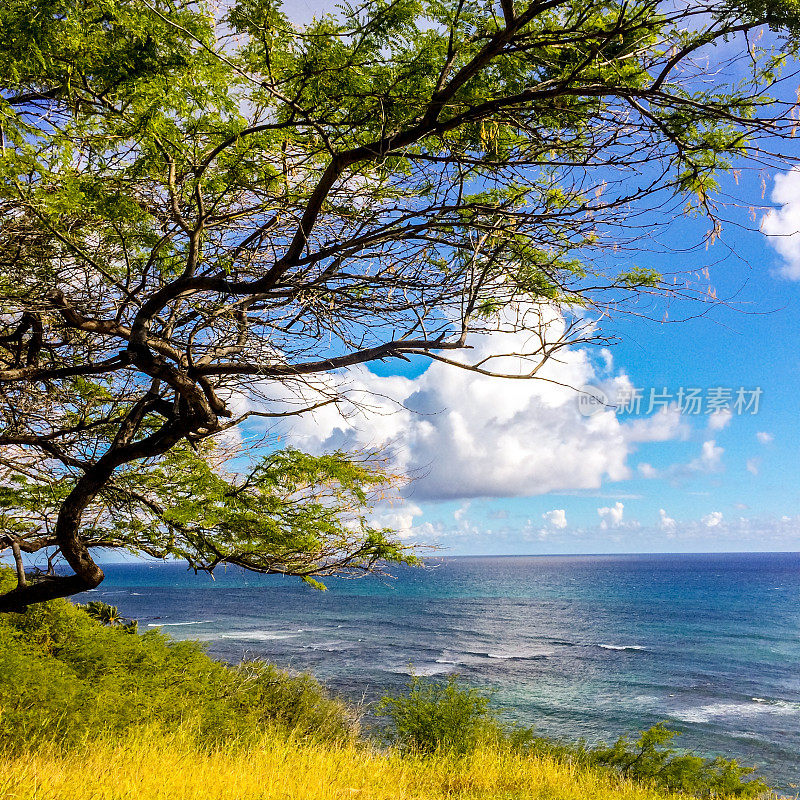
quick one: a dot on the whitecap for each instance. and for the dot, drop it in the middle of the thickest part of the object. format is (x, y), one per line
(426, 670)
(622, 646)
(721, 710)
(469, 656)
(257, 636)
(333, 646)
(521, 655)
(177, 624)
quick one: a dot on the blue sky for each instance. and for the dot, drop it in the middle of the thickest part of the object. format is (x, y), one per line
(503, 468)
(494, 474)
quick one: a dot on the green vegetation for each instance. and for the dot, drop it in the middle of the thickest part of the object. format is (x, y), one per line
(457, 719)
(80, 687)
(66, 678)
(647, 760)
(439, 716)
(208, 210)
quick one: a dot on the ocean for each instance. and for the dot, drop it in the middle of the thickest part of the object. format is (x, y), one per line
(586, 647)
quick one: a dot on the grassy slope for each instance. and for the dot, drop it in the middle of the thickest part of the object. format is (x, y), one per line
(146, 765)
(91, 711)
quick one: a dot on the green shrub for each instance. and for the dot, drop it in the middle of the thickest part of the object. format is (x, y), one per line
(66, 677)
(433, 716)
(649, 760)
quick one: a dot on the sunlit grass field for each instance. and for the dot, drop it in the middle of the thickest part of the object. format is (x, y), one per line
(148, 765)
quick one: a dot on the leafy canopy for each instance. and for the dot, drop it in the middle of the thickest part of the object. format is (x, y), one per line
(207, 214)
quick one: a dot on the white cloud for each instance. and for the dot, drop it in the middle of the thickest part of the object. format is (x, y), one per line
(459, 513)
(460, 434)
(398, 517)
(665, 523)
(719, 419)
(557, 518)
(611, 517)
(647, 470)
(753, 465)
(710, 459)
(713, 519)
(782, 224)
(608, 359)
(764, 437)
(666, 424)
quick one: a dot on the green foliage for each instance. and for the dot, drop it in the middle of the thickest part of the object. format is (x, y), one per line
(452, 717)
(109, 615)
(639, 278)
(66, 678)
(293, 513)
(649, 760)
(780, 14)
(433, 716)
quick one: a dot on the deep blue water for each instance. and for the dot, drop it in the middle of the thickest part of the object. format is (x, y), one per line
(578, 646)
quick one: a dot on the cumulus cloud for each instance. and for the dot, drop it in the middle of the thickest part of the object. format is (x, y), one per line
(764, 437)
(460, 434)
(665, 522)
(611, 517)
(399, 517)
(782, 225)
(459, 513)
(719, 419)
(753, 465)
(668, 423)
(713, 519)
(709, 460)
(557, 518)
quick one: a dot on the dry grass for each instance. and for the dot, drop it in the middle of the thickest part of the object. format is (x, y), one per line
(147, 765)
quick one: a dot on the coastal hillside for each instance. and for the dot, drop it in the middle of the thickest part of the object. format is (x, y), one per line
(91, 707)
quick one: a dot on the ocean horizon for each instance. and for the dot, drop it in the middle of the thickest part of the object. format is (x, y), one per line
(579, 646)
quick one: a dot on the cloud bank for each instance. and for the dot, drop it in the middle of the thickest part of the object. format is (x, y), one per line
(459, 434)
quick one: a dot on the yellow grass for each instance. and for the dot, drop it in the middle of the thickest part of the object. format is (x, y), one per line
(149, 766)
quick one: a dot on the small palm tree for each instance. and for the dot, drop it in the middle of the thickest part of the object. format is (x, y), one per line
(104, 613)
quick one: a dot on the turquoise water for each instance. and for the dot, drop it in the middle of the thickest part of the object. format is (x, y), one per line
(578, 646)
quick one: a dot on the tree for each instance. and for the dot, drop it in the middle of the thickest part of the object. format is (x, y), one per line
(199, 211)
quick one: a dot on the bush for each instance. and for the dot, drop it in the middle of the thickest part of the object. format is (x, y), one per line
(648, 761)
(66, 677)
(434, 716)
(453, 718)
